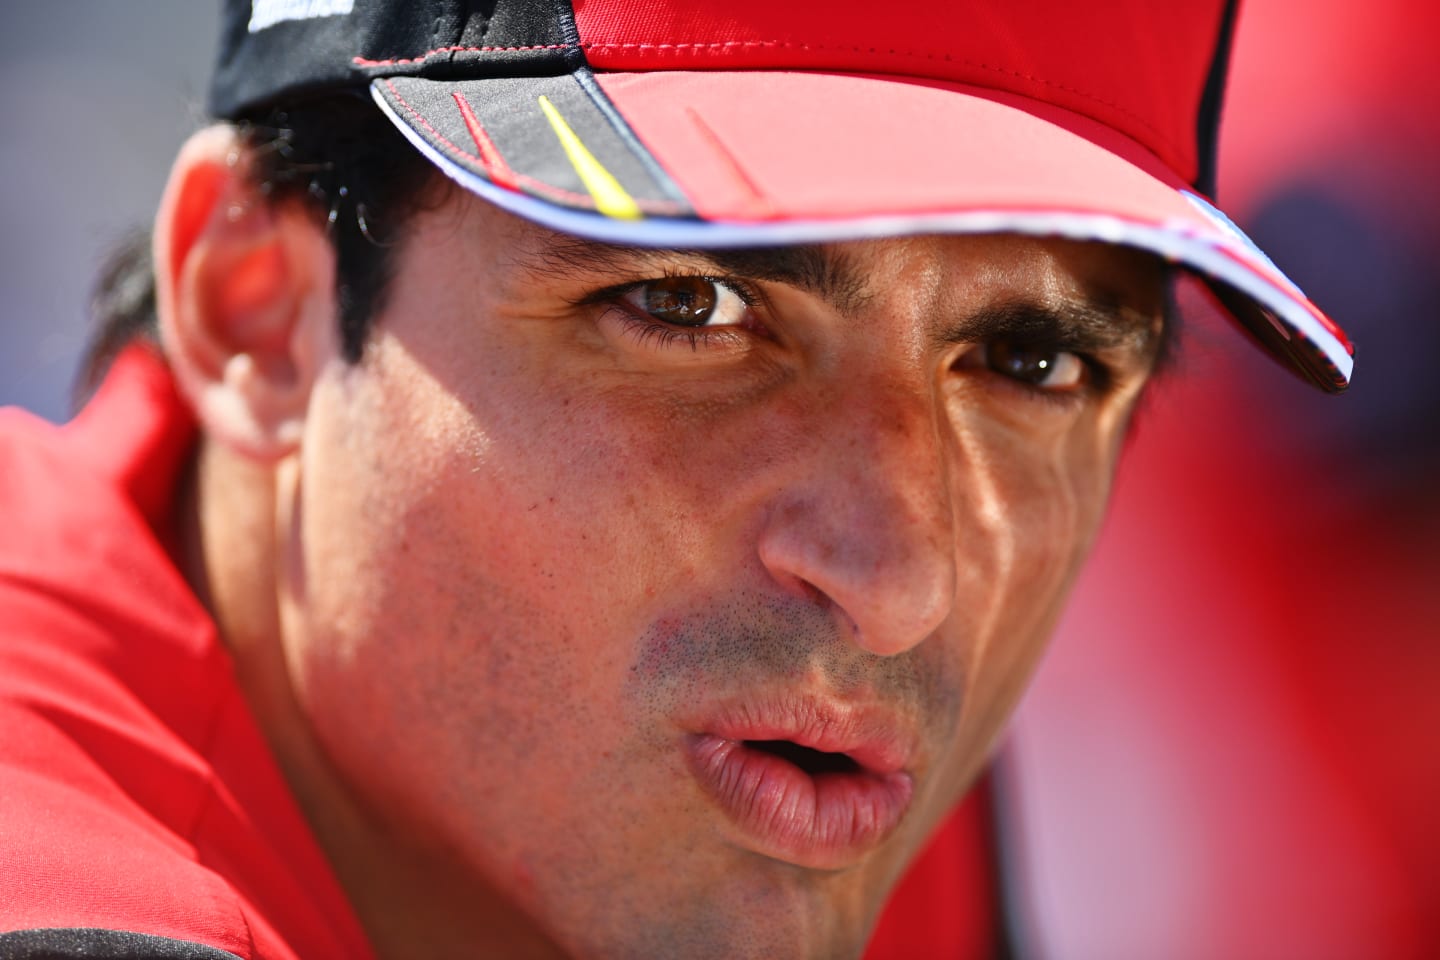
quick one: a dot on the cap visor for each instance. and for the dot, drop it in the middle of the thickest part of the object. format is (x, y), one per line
(753, 158)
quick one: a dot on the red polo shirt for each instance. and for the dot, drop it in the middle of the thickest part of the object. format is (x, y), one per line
(136, 792)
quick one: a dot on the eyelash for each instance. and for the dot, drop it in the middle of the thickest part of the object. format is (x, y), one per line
(648, 332)
(1098, 376)
(1097, 382)
(654, 334)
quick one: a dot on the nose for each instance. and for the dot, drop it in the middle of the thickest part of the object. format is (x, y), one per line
(868, 522)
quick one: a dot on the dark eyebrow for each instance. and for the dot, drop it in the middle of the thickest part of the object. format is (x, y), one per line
(1097, 324)
(1084, 324)
(823, 271)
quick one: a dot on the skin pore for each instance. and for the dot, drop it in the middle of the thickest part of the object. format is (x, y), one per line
(488, 588)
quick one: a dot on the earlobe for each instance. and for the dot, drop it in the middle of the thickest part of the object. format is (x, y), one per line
(244, 290)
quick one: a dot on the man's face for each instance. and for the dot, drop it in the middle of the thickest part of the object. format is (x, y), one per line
(684, 637)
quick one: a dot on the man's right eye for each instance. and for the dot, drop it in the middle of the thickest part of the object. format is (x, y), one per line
(687, 301)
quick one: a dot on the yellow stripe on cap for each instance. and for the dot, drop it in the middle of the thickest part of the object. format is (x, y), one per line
(610, 198)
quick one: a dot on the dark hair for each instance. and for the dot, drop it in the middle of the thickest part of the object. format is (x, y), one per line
(342, 157)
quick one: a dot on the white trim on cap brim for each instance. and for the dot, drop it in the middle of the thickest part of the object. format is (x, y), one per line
(1180, 243)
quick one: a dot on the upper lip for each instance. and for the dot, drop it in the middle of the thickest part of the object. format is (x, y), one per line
(874, 737)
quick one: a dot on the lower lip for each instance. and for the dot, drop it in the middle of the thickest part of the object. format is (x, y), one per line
(825, 821)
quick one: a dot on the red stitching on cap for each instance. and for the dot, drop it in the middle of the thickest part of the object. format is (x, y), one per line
(362, 62)
(490, 155)
(540, 186)
(786, 44)
(899, 53)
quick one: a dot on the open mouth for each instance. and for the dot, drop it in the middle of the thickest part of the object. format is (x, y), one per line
(809, 807)
(812, 762)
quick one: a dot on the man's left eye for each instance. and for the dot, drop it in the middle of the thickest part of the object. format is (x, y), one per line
(688, 301)
(1045, 368)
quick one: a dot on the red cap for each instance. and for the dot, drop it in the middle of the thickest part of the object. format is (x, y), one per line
(698, 123)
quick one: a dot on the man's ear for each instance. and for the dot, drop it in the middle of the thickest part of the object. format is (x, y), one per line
(245, 297)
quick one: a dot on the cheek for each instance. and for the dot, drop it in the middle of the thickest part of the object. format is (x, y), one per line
(1029, 514)
(439, 630)
(477, 559)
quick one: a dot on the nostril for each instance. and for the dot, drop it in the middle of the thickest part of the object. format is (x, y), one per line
(811, 761)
